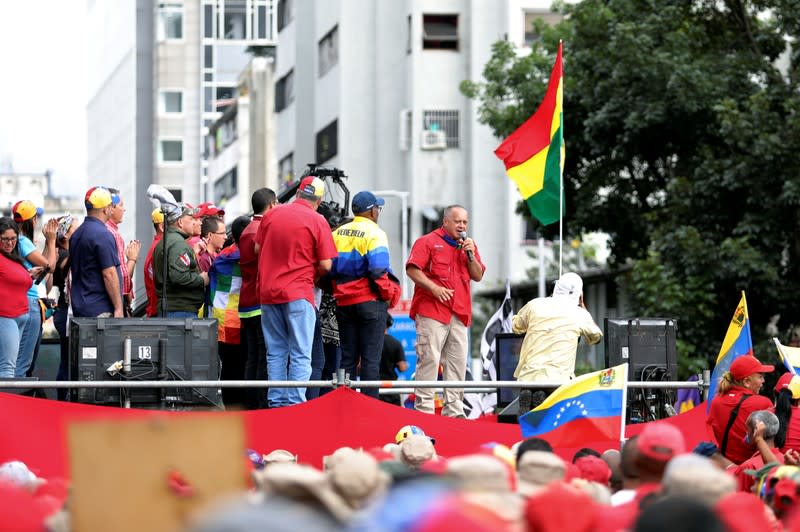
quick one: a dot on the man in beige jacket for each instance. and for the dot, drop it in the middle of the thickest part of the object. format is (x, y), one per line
(552, 326)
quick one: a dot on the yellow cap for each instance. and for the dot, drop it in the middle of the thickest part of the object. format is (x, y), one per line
(157, 216)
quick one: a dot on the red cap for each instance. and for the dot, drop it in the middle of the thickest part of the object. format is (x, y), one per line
(748, 365)
(208, 209)
(554, 509)
(661, 442)
(594, 469)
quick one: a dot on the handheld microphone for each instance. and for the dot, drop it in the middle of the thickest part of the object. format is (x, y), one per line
(470, 256)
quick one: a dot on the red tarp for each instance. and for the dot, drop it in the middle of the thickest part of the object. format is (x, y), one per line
(34, 430)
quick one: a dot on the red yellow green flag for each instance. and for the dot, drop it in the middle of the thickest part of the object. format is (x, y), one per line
(534, 153)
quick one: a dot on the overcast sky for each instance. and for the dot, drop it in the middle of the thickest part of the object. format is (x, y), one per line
(43, 65)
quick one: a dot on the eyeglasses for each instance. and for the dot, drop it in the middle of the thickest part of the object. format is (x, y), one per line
(8, 240)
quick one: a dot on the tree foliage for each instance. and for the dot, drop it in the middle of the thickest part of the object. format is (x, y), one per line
(683, 144)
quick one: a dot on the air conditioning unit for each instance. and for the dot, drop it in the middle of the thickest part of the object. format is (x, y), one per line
(433, 140)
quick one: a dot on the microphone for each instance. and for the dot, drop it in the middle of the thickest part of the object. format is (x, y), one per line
(470, 256)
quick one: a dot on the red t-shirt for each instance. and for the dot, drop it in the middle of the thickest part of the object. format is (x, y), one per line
(16, 281)
(445, 265)
(745, 482)
(719, 414)
(293, 239)
(248, 265)
(149, 280)
(792, 431)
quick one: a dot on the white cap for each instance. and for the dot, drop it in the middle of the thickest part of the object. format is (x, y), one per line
(570, 286)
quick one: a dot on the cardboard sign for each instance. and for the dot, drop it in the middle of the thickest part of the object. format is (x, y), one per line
(154, 473)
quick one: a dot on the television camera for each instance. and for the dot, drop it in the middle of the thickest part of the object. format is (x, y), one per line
(335, 206)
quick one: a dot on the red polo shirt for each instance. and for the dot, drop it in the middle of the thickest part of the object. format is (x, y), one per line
(293, 239)
(719, 414)
(792, 431)
(445, 265)
(744, 481)
(248, 265)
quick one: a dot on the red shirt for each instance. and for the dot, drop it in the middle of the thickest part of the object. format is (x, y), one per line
(445, 265)
(127, 284)
(792, 431)
(16, 281)
(745, 482)
(293, 239)
(149, 280)
(248, 265)
(719, 414)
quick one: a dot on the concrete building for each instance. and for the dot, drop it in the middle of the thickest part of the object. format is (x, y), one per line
(373, 88)
(160, 73)
(240, 146)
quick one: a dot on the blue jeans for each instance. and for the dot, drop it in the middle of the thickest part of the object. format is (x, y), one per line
(361, 329)
(10, 332)
(289, 333)
(181, 314)
(30, 337)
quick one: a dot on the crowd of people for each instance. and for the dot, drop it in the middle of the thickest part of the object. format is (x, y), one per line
(653, 484)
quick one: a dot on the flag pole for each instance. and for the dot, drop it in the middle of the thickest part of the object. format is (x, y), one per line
(561, 179)
(624, 408)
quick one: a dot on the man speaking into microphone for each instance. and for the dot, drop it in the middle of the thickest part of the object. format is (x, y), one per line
(442, 264)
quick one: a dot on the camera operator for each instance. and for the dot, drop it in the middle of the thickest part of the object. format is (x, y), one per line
(552, 327)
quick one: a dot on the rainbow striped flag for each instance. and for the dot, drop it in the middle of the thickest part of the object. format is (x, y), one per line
(738, 342)
(534, 153)
(589, 408)
(790, 356)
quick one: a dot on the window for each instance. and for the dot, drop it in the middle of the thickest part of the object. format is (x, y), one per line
(327, 142)
(548, 17)
(225, 187)
(264, 20)
(446, 121)
(284, 92)
(440, 32)
(170, 151)
(208, 56)
(208, 21)
(408, 36)
(170, 102)
(286, 171)
(176, 193)
(234, 20)
(328, 51)
(285, 13)
(170, 21)
(208, 99)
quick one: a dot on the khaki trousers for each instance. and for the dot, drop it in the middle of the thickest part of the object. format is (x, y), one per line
(446, 344)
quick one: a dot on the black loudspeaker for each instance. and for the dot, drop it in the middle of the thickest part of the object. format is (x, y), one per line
(160, 349)
(506, 357)
(646, 344)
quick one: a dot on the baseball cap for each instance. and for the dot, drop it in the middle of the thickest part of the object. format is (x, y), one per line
(407, 431)
(25, 210)
(790, 381)
(594, 469)
(661, 442)
(748, 365)
(157, 216)
(180, 211)
(312, 186)
(365, 200)
(208, 209)
(98, 198)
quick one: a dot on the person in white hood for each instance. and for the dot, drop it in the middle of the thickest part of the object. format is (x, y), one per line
(552, 326)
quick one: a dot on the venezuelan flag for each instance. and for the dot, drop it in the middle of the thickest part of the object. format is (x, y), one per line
(534, 153)
(790, 357)
(737, 342)
(588, 408)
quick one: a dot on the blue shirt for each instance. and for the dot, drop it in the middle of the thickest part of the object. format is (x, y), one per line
(26, 247)
(92, 249)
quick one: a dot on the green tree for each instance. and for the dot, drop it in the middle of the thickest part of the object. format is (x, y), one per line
(682, 135)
